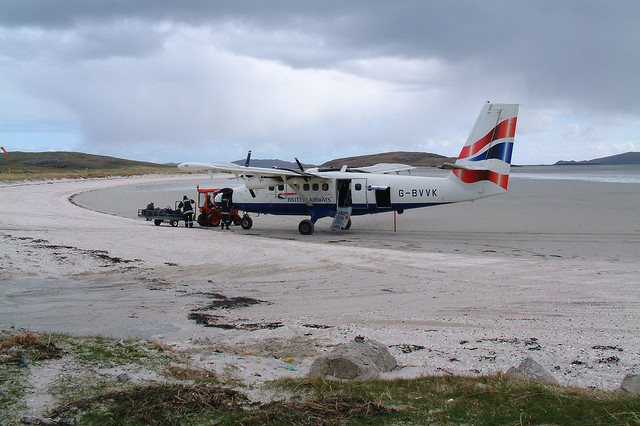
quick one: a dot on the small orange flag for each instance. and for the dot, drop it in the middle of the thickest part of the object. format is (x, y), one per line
(4, 150)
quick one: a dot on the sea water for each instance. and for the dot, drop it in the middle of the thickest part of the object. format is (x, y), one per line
(588, 173)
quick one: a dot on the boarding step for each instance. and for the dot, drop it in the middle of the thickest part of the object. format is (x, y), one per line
(341, 218)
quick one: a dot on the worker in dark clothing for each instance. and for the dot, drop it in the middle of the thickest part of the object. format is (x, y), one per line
(187, 211)
(225, 209)
(149, 211)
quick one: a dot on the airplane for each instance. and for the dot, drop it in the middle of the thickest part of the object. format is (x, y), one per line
(481, 170)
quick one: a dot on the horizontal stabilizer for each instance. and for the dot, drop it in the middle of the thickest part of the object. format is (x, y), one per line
(451, 166)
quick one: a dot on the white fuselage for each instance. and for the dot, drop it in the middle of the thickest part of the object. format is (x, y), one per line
(480, 170)
(366, 193)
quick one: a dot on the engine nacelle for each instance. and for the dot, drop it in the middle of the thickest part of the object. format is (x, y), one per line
(256, 182)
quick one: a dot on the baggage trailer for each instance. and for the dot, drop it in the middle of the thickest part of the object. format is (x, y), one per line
(173, 216)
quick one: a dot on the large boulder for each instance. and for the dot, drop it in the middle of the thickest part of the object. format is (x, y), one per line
(357, 360)
(631, 384)
(531, 370)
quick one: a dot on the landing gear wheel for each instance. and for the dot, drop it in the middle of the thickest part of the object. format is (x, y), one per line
(348, 225)
(306, 227)
(214, 220)
(237, 221)
(246, 222)
(202, 220)
(157, 222)
(174, 223)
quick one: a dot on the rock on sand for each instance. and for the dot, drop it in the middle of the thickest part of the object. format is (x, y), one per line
(357, 360)
(631, 384)
(531, 370)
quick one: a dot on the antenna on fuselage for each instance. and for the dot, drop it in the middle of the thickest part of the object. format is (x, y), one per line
(246, 163)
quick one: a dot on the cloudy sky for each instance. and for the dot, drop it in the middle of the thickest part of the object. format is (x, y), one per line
(163, 81)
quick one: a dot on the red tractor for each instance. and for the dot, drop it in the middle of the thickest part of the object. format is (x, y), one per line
(210, 213)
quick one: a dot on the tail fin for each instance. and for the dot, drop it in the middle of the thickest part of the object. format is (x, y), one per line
(486, 156)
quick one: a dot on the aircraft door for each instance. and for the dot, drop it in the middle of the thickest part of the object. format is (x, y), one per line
(351, 192)
(359, 192)
(383, 197)
(343, 192)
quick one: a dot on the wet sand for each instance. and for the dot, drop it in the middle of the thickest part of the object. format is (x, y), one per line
(549, 270)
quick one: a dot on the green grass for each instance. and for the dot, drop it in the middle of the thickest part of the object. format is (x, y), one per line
(152, 404)
(433, 400)
(493, 399)
(205, 404)
(17, 352)
(12, 391)
(172, 391)
(108, 352)
(87, 367)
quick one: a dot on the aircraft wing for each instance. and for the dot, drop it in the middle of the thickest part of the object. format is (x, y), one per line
(242, 170)
(385, 168)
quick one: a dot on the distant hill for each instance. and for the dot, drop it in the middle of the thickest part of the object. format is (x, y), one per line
(59, 164)
(410, 158)
(626, 158)
(67, 160)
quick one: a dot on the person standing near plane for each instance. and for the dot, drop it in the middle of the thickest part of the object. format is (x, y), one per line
(225, 209)
(187, 211)
(150, 208)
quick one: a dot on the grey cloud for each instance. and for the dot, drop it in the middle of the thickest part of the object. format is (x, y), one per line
(574, 49)
(159, 71)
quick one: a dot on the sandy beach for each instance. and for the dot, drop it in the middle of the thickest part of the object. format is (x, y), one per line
(550, 270)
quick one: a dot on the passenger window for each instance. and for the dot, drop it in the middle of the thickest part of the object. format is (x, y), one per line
(325, 186)
(315, 186)
(358, 186)
(272, 188)
(305, 186)
(280, 187)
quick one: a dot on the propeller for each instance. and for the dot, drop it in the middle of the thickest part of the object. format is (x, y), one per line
(306, 179)
(246, 163)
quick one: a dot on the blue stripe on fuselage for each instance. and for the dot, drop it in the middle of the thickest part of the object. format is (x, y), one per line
(298, 209)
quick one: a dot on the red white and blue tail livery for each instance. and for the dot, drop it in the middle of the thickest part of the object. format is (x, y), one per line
(486, 156)
(481, 170)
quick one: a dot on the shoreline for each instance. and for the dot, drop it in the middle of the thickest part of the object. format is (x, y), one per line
(109, 274)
